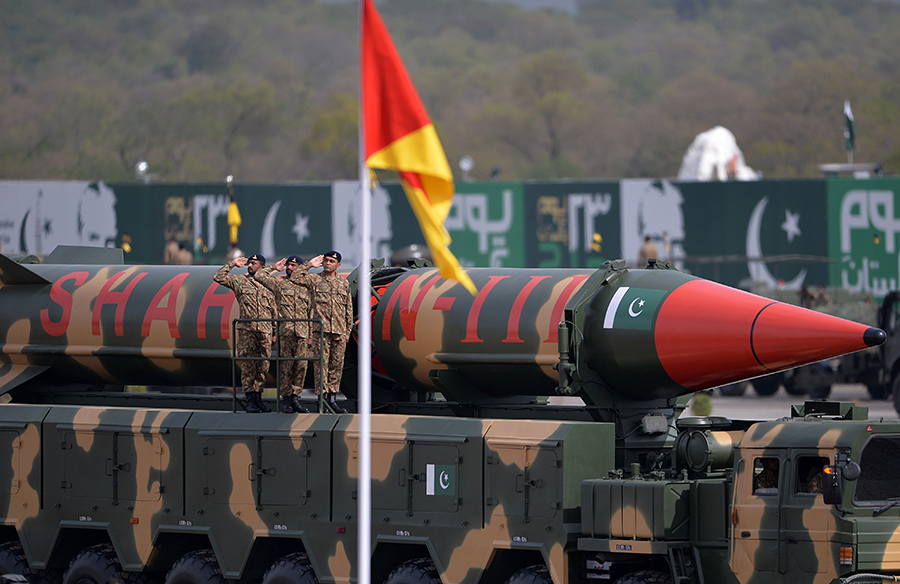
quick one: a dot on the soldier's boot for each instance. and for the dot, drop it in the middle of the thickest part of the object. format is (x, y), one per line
(252, 406)
(332, 402)
(287, 406)
(298, 407)
(262, 405)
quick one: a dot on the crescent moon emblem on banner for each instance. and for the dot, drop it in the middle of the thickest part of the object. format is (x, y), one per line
(267, 241)
(758, 270)
(445, 480)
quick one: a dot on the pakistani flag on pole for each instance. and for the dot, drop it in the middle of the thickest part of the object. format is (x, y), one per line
(849, 135)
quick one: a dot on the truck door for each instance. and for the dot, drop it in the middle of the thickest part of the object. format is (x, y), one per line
(808, 521)
(758, 488)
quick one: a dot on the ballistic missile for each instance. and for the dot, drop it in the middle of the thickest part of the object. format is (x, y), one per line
(644, 334)
(69, 324)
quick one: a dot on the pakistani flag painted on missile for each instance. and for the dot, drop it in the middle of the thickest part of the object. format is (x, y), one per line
(633, 308)
(849, 134)
(440, 479)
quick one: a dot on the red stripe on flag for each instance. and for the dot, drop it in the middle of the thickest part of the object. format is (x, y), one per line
(415, 181)
(392, 108)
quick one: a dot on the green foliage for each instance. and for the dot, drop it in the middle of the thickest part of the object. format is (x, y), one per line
(334, 141)
(208, 49)
(267, 90)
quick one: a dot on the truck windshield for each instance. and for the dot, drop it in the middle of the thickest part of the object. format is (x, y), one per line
(880, 477)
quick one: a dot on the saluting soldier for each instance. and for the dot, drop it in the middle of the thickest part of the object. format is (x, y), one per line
(332, 304)
(254, 339)
(293, 301)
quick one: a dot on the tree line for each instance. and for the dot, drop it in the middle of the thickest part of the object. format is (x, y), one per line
(267, 91)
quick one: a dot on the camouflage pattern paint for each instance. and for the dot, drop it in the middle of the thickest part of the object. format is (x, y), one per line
(424, 323)
(479, 497)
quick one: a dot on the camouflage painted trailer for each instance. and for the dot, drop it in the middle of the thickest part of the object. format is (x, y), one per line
(476, 477)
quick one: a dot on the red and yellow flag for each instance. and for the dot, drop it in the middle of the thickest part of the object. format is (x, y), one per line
(400, 136)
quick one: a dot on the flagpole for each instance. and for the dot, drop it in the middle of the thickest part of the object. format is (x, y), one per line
(364, 524)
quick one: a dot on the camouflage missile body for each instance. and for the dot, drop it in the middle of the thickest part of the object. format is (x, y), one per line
(513, 490)
(91, 324)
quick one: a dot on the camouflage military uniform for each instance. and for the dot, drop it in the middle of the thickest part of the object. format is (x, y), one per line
(331, 303)
(293, 301)
(254, 339)
(765, 480)
(815, 484)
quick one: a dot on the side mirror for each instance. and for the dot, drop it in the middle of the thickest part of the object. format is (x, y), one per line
(833, 478)
(832, 493)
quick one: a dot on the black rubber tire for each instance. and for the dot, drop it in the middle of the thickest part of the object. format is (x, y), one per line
(538, 574)
(97, 564)
(12, 559)
(877, 391)
(790, 385)
(646, 577)
(733, 389)
(417, 571)
(197, 567)
(766, 386)
(820, 392)
(292, 569)
(895, 393)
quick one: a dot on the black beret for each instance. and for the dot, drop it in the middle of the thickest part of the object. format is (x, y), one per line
(258, 257)
(334, 254)
(295, 258)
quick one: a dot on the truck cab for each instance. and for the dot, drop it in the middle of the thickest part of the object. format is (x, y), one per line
(810, 498)
(830, 510)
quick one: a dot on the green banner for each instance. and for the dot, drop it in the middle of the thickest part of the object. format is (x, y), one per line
(776, 233)
(771, 233)
(485, 224)
(571, 224)
(863, 232)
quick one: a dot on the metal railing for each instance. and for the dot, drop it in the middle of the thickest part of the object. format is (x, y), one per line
(278, 358)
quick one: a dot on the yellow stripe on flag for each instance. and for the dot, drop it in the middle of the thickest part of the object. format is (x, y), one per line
(419, 151)
(436, 237)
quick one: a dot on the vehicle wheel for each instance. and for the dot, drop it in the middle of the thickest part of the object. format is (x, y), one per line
(767, 385)
(646, 577)
(790, 385)
(292, 569)
(877, 391)
(52, 576)
(97, 564)
(895, 393)
(198, 567)
(733, 389)
(531, 575)
(12, 559)
(820, 392)
(417, 571)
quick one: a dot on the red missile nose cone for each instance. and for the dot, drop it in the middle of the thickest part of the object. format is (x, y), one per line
(708, 335)
(785, 336)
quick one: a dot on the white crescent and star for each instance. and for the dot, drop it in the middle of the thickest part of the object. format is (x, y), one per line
(791, 225)
(758, 270)
(631, 311)
(445, 480)
(267, 242)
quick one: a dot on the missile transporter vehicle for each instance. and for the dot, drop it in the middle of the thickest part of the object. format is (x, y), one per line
(477, 475)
